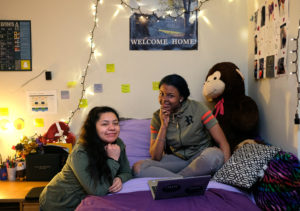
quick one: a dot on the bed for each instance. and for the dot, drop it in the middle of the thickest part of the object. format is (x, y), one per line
(243, 183)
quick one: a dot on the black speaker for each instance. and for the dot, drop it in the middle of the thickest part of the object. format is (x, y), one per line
(48, 75)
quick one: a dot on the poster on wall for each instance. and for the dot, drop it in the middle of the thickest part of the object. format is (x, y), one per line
(42, 102)
(166, 27)
(270, 39)
(15, 46)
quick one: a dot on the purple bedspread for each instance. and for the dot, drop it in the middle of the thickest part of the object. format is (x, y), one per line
(213, 200)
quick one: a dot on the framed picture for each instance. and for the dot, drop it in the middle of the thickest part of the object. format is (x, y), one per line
(165, 28)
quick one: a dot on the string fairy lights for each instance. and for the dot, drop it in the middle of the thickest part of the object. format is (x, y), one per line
(91, 53)
(296, 73)
(179, 13)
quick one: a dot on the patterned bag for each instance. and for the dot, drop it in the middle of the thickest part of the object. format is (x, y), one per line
(279, 188)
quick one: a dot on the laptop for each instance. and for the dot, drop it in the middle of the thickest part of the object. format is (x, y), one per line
(178, 187)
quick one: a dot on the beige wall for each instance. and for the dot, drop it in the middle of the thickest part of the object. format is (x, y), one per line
(277, 98)
(59, 32)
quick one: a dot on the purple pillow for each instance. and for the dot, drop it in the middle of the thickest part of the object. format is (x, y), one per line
(135, 133)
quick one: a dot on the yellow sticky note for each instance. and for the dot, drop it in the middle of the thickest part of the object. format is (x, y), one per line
(3, 111)
(125, 88)
(39, 122)
(155, 85)
(71, 84)
(110, 68)
(25, 65)
(83, 103)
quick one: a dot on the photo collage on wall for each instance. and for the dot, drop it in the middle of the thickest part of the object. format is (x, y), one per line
(270, 39)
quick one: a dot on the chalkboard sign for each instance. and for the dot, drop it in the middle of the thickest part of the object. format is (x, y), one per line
(15, 45)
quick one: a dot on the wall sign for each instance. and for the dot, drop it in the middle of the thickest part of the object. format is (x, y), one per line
(165, 29)
(42, 102)
(15, 45)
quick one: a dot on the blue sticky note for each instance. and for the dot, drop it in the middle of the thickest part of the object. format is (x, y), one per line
(65, 94)
(98, 88)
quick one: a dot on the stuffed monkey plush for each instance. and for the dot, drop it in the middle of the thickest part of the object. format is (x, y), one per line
(236, 113)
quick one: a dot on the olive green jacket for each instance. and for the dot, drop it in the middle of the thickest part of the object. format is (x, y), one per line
(187, 132)
(66, 190)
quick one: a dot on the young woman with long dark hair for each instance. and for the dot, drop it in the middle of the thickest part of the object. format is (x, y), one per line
(97, 165)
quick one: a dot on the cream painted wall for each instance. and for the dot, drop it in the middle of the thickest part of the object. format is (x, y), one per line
(277, 98)
(59, 33)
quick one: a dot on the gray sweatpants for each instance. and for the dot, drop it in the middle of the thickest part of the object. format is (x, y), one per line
(206, 162)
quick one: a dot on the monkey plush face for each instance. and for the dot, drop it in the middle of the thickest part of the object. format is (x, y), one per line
(224, 80)
(213, 86)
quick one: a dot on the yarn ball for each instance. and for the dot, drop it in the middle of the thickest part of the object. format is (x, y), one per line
(279, 188)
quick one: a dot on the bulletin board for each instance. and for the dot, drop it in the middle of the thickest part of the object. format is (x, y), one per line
(15, 45)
